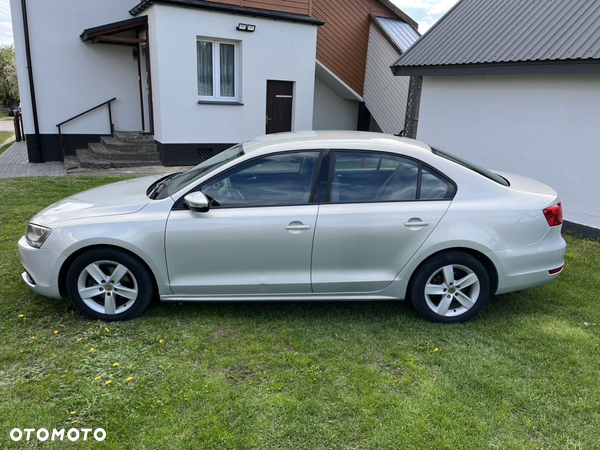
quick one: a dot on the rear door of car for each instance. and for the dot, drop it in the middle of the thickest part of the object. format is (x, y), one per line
(377, 210)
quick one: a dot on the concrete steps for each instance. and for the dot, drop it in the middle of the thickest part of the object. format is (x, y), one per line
(135, 138)
(122, 150)
(110, 154)
(118, 145)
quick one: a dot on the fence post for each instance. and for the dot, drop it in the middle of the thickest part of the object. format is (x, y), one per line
(17, 126)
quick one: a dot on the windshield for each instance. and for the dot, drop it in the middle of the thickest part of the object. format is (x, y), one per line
(180, 181)
(475, 168)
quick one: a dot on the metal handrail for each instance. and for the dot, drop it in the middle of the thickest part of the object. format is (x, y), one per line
(112, 126)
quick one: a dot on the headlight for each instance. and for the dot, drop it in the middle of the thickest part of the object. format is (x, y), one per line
(36, 235)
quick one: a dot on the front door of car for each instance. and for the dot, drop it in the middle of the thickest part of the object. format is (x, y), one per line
(380, 210)
(256, 237)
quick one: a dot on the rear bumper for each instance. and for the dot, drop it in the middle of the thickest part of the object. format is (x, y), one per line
(41, 269)
(529, 266)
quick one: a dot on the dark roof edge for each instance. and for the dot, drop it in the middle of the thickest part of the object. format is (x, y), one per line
(109, 26)
(222, 7)
(412, 22)
(386, 34)
(576, 67)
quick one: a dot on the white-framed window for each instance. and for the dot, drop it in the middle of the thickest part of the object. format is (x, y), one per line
(217, 70)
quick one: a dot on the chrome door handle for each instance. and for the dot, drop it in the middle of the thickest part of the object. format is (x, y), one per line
(297, 227)
(415, 223)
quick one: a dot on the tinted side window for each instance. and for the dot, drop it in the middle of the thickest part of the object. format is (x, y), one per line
(277, 180)
(434, 186)
(367, 176)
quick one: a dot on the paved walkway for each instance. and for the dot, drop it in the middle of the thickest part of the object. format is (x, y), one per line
(7, 125)
(14, 163)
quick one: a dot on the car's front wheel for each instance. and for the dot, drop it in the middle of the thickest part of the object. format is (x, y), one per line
(109, 284)
(450, 287)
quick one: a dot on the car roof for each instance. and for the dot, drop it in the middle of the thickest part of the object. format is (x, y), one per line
(333, 139)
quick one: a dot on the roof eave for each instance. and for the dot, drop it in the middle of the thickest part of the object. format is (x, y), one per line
(115, 27)
(564, 67)
(231, 9)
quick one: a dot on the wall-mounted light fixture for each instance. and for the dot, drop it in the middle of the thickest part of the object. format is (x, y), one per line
(246, 27)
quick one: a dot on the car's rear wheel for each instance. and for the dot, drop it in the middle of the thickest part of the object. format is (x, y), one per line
(450, 287)
(109, 284)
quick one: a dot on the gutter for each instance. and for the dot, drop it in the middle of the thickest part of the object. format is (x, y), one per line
(36, 125)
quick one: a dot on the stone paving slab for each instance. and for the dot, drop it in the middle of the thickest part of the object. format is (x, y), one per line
(14, 163)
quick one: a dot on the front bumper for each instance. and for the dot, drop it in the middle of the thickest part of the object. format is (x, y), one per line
(530, 266)
(42, 267)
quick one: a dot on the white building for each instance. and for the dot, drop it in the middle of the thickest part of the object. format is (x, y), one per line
(515, 86)
(197, 76)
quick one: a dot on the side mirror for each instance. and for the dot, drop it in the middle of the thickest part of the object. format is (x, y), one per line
(197, 202)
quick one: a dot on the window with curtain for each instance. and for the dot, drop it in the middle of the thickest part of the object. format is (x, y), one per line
(217, 70)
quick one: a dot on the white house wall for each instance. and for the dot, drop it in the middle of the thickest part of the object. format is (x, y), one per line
(333, 112)
(277, 50)
(544, 127)
(385, 94)
(71, 76)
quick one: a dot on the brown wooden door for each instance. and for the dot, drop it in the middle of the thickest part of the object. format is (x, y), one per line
(280, 99)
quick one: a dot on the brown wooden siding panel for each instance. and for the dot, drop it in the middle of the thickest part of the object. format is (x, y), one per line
(379, 10)
(344, 39)
(297, 7)
(291, 6)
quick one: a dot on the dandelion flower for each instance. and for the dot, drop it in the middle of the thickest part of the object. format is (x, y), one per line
(92, 350)
(435, 350)
(161, 341)
(99, 378)
(73, 413)
(128, 379)
(107, 382)
(106, 329)
(74, 421)
(33, 338)
(80, 340)
(116, 365)
(56, 331)
(21, 316)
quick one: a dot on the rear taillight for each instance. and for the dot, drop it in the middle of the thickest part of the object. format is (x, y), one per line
(554, 215)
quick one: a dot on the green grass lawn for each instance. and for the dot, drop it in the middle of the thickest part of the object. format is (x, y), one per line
(4, 135)
(524, 375)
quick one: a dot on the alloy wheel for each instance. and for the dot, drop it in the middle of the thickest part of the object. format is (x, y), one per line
(107, 287)
(452, 290)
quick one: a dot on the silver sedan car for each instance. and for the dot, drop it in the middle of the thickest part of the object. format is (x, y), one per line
(301, 216)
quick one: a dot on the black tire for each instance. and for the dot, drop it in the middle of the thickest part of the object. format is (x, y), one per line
(138, 277)
(432, 267)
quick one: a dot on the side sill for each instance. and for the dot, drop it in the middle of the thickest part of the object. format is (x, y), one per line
(276, 298)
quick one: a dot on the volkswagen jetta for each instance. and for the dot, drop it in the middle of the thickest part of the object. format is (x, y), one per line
(301, 216)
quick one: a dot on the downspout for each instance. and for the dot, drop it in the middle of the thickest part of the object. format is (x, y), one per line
(36, 125)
